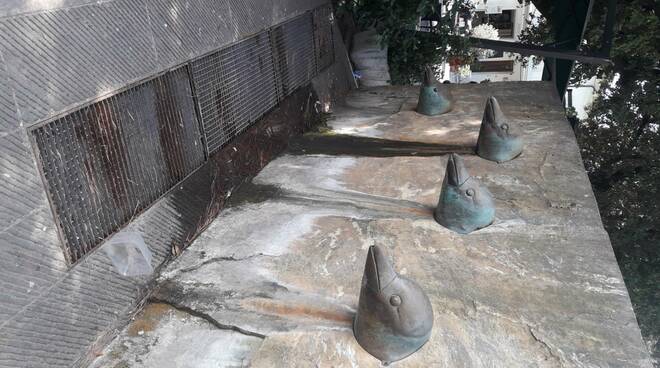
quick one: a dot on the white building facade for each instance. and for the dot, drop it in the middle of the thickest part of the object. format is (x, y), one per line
(509, 18)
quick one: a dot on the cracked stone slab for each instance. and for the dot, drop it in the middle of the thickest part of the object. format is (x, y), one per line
(213, 280)
(538, 288)
(162, 336)
(546, 186)
(535, 192)
(514, 299)
(389, 112)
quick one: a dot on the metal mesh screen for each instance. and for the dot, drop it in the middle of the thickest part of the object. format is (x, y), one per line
(293, 43)
(323, 37)
(235, 87)
(106, 162)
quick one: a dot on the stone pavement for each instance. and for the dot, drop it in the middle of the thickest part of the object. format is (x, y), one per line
(274, 280)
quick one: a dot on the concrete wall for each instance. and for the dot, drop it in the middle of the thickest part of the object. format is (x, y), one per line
(54, 57)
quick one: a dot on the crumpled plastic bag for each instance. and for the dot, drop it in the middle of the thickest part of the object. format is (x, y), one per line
(129, 254)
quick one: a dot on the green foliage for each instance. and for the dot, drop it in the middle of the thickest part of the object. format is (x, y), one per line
(388, 17)
(410, 51)
(408, 54)
(538, 32)
(635, 44)
(620, 143)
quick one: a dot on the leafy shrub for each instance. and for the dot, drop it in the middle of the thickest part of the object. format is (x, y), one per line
(409, 50)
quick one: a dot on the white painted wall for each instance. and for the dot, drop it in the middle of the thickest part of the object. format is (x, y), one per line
(495, 6)
(583, 96)
(533, 72)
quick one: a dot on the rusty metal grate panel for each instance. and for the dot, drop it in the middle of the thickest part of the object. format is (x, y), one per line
(235, 87)
(324, 47)
(106, 162)
(293, 44)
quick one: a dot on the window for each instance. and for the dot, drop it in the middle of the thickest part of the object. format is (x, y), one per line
(503, 22)
(492, 66)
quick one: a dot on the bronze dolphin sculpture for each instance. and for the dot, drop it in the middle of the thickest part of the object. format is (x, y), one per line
(434, 99)
(465, 204)
(495, 143)
(394, 317)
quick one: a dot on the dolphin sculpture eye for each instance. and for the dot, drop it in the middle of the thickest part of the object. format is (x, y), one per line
(434, 99)
(459, 207)
(395, 300)
(496, 142)
(383, 326)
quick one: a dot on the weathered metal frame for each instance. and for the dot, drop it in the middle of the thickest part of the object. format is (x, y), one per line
(324, 50)
(229, 84)
(296, 39)
(545, 51)
(268, 36)
(78, 238)
(287, 36)
(599, 57)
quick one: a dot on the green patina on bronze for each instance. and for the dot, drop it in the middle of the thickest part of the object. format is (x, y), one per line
(465, 205)
(434, 99)
(394, 317)
(495, 142)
